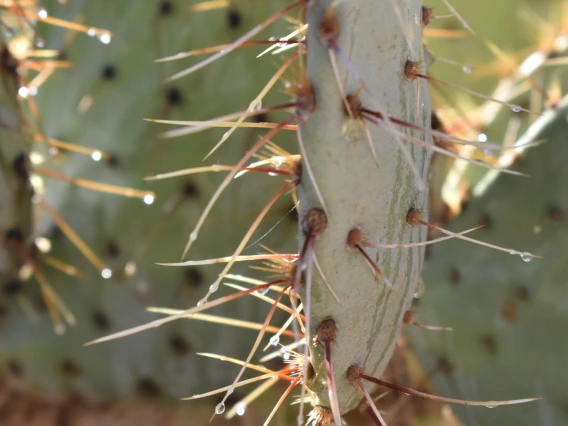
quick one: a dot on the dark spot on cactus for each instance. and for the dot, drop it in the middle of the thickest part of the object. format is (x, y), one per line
(70, 368)
(15, 368)
(445, 366)
(555, 213)
(8, 61)
(435, 122)
(293, 213)
(108, 72)
(112, 249)
(523, 293)
(234, 18)
(189, 190)
(193, 277)
(260, 118)
(13, 237)
(165, 7)
(465, 203)
(454, 276)
(34, 252)
(428, 252)
(147, 388)
(113, 161)
(39, 303)
(21, 166)
(179, 345)
(12, 287)
(101, 321)
(486, 221)
(509, 312)
(173, 96)
(489, 344)
(426, 15)
(54, 233)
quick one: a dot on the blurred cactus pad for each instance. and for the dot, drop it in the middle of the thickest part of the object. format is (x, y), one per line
(505, 309)
(100, 103)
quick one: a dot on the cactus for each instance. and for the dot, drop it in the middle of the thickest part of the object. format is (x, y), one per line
(504, 312)
(332, 118)
(124, 86)
(363, 196)
(361, 183)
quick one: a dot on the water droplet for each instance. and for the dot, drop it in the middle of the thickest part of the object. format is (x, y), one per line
(255, 105)
(482, 137)
(241, 408)
(23, 92)
(515, 108)
(59, 329)
(467, 69)
(39, 42)
(106, 273)
(96, 156)
(274, 340)
(213, 287)
(220, 408)
(420, 288)
(42, 13)
(262, 291)
(285, 355)
(202, 302)
(527, 257)
(105, 38)
(490, 406)
(300, 420)
(512, 252)
(148, 199)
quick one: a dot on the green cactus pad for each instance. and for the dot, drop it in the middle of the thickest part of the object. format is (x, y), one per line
(101, 103)
(508, 315)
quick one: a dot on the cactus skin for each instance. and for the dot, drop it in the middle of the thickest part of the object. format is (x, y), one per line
(504, 312)
(114, 124)
(357, 192)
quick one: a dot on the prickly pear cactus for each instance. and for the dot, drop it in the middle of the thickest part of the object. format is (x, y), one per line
(101, 103)
(372, 197)
(505, 311)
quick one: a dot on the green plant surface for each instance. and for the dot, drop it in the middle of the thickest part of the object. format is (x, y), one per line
(358, 192)
(124, 86)
(506, 313)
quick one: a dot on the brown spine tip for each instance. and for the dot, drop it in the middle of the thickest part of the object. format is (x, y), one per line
(321, 416)
(314, 222)
(411, 70)
(354, 238)
(355, 105)
(328, 28)
(408, 317)
(326, 332)
(413, 216)
(296, 172)
(305, 98)
(353, 374)
(426, 15)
